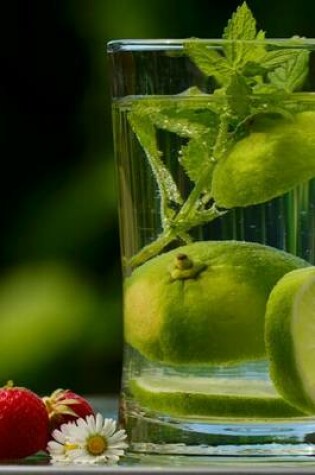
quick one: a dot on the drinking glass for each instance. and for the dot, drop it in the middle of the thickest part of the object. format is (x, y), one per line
(216, 206)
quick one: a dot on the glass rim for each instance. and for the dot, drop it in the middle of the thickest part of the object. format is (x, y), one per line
(157, 44)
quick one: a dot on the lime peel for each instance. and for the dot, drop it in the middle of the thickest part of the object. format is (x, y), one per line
(290, 338)
(215, 397)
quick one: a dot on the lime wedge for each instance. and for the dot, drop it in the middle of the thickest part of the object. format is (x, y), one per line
(290, 337)
(199, 397)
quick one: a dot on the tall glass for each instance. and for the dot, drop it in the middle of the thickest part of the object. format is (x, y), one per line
(217, 204)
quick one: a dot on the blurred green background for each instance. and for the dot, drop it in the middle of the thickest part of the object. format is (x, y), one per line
(60, 282)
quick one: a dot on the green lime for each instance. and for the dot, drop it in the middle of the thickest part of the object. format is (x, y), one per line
(203, 303)
(290, 337)
(274, 158)
(203, 397)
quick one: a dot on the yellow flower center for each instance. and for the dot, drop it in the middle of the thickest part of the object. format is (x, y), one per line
(69, 446)
(96, 444)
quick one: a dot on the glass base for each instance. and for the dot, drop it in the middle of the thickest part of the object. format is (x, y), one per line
(225, 465)
(151, 433)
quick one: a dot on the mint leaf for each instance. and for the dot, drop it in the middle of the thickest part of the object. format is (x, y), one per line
(208, 60)
(188, 120)
(239, 48)
(238, 96)
(239, 33)
(185, 117)
(275, 59)
(184, 120)
(145, 131)
(291, 75)
(255, 51)
(196, 155)
(241, 26)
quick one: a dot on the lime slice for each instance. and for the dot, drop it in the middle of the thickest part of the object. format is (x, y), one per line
(290, 337)
(199, 397)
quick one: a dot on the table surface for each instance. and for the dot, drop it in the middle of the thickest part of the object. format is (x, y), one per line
(150, 464)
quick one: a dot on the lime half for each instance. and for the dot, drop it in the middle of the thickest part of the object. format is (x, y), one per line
(193, 397)
(290, 337)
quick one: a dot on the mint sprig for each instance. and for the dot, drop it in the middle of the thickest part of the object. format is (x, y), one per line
(248, 76)
(239, 34)
(246, 55)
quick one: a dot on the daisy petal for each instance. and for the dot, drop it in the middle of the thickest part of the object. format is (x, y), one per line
(54, 448)
(59, 436)
(82, 425)
(109, 427)
(98, 422)
(115, 452)
(120, 446)
(113, 459)
(90, 421)
(59, 459)
(118, 436)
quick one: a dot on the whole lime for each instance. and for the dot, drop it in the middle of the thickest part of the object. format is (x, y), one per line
(275, 157)
(203, 303)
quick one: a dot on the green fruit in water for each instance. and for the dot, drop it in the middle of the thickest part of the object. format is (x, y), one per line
(203, 303)
(290, 338)
(202, 397)
(274, 158)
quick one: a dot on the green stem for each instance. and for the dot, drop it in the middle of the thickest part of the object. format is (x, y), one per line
(152, 249)
(190, 203)
(221, 141)
(169, 235)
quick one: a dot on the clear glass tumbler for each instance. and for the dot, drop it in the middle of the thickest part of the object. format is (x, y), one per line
(216, 172)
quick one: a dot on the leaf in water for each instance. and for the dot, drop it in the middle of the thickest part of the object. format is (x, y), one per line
(207, 215)
(172, 121)
(238, 95)
(185, 120)
(291, 75)
(146, 134)
(196, 155)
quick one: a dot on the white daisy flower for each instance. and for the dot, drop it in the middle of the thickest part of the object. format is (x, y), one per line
(57, 448)
(90, 440)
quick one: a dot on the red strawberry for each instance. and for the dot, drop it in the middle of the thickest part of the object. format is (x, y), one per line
(24, 424)
(64, 406)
